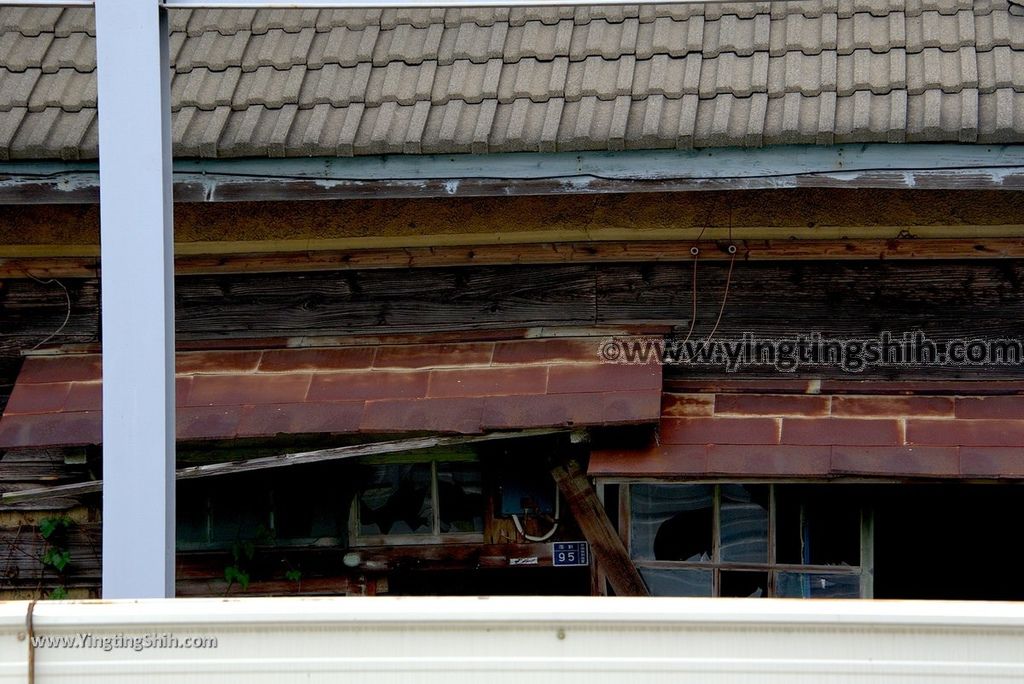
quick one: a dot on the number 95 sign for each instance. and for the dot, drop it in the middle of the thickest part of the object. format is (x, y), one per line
(570, 554)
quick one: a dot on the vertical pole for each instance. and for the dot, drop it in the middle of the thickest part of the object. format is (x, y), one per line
(137, 281)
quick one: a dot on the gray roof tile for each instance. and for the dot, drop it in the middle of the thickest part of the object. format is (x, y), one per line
(75, 20)
(77, 51)
(221, 21)
(475, 43)
(10, 123)
(743, 10)
(612, 13)
(290, 21)
(950, 72)
(204, 89)
(797, 33)
(537, 39)
(866, 31)
(667, 36)
(733, 34)
(406, 43)
(983, 7)
(198, 131)
(672, 77)
(71, 135)
(18, 52)
(28, 21)
(277, 48)
(726, 119)
(878, 72)
(916, 7)
(998, 68)
(1000, 116)
(798, 120)
(399, 82)
(459, 127)
(593, 124)
(525, 126)
(16, 87)
(603, 38)
(269, 87)
(464, 80)
(878, 8)
(533, 79)
(658, 122)
(935, 115)
(601, 78)
(211, 51)
(932, 29)
(677, 12)
(335, 85)
(65, 89)
(999, 28)
(808, 8)
(346, 82)
(481, 16)
(344, 46)
(420, 17)
(866, 117)
(796, 72)
(354, 19)
(730, 73)
(519, 16)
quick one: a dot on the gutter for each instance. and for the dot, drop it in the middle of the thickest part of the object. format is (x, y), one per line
(884, 166)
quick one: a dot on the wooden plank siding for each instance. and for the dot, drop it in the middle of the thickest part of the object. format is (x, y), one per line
(772, 299)
(266, 227)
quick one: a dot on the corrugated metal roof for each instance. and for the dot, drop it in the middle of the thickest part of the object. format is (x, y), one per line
(412, 81)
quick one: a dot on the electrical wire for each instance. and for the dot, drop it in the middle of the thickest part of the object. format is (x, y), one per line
(67, 315)
(544, 537)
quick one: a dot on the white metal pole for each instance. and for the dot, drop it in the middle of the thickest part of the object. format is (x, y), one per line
(137, 281)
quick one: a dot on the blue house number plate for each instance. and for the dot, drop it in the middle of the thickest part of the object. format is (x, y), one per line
(569, 554)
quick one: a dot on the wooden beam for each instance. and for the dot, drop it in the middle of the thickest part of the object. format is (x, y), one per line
(83, 266)
(234, 228)
(604, 540)
(282, 460)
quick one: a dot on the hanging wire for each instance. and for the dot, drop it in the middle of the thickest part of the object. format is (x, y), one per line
(67, 315)
(728, 283)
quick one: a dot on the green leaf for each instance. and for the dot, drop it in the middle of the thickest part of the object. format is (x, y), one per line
(57, 558)
(58, 594)
(293, 575)
(234, 575)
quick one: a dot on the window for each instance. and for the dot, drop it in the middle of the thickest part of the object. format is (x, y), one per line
(418, 502)
(304, 506)
(748, 540)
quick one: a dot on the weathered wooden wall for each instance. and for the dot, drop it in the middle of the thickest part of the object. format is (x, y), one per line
(845, 300)
(809, 213)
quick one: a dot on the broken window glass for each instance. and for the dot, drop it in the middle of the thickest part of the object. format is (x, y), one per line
(744, 523)
(460, 497)
(396, 499)
(672, 522)
(672, 582)
(816, 585)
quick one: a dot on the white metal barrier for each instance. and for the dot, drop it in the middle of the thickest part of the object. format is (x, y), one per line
(499, 640)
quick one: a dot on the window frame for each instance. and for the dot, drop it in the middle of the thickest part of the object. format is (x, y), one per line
(359, 540)
(864, 570)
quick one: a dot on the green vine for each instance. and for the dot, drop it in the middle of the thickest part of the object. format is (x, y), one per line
(57, 556)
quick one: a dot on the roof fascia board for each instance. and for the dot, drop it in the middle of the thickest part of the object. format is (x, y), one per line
(931, 166)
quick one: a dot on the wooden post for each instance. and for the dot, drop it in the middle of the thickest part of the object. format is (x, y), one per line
(604, 540)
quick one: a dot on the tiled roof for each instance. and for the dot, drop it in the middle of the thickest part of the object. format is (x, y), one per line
(351, 82)
(449, 388)
(756, 435)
